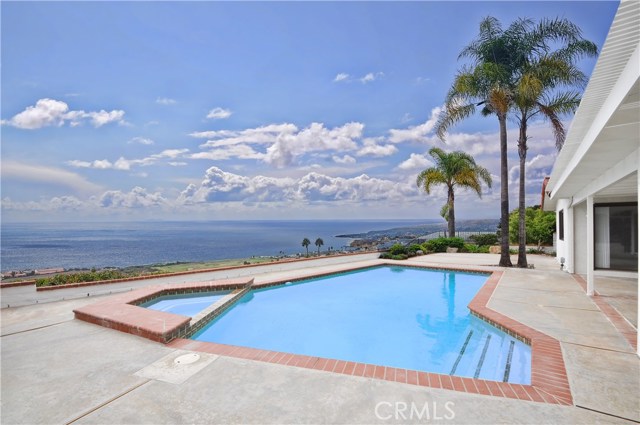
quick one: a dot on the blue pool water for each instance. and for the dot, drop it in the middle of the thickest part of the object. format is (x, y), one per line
(185, 304)
(393, 316)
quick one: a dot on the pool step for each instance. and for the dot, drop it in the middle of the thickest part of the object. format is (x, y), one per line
(488, 353)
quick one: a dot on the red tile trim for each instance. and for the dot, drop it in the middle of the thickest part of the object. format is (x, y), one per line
(4, 285)
(548, 373)
(549, 378)
(121, 313)
(621, 324)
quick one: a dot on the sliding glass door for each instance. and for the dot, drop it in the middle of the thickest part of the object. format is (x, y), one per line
(616, 236)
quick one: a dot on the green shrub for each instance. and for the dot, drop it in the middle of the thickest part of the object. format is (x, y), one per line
(476, 249)
(412, 249)
(389, 256)
(93, 276)
(485, 239)
(398, 249)
(441, 244)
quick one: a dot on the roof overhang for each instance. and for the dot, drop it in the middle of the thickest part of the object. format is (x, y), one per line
(600, 154)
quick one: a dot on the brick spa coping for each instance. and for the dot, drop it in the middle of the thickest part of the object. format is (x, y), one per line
(549, 382)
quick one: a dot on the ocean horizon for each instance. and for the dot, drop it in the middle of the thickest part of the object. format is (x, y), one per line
(30, 246)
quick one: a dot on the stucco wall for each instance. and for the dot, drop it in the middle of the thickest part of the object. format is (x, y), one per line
(561, 245)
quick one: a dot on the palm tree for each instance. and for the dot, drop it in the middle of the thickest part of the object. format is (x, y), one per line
(453, 169)
(319, 243)
(539, 75)
(485, 84)
(305, 243)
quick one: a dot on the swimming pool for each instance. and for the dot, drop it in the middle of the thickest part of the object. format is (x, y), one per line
(400, 317)
(184, 304)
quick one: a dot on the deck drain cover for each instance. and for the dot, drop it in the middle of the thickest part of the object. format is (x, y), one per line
(187, 359)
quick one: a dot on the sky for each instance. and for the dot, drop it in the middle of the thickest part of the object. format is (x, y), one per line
(249, 110)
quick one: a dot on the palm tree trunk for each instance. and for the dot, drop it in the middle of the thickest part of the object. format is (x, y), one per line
(505, 259)
(522, 231)
(452, 214)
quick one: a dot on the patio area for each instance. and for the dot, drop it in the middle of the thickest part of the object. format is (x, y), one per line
(56, 369)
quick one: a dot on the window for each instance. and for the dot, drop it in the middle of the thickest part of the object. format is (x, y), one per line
(561, 225)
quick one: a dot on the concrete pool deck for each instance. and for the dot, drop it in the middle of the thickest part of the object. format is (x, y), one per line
(59, 370)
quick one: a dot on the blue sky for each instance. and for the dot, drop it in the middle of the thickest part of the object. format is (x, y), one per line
(244, 110)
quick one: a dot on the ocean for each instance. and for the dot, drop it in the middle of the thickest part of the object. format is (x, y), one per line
(30, 246)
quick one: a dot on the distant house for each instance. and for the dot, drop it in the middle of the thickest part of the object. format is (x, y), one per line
(595, 182)
(49, 271)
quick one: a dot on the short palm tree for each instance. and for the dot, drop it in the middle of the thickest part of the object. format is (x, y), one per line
(485, 83)
(305, 243)
(453, 169)
(319, 243)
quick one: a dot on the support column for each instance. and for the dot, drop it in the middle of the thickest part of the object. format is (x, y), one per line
(568, 237)
(638, 245)
(590, 246)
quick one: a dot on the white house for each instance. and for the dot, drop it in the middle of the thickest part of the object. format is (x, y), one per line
(595, 181)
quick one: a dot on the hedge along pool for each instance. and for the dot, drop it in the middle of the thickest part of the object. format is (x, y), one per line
(391, 316)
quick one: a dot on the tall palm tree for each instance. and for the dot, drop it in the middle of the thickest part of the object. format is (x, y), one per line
(305, 243)
(453, 169)
(542, 80)
(319, 243)
(486, 84)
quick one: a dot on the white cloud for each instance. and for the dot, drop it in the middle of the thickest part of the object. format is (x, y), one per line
(222, 186)
(79, 164)
(170, 153)
(341, 77)
(102, 165)
(371, 77)
(50, 112)
(46, 112)
(177, 164)
(288, 147)
(165, 101)
(372, 148)
(422, 80)
(136, 198)
(124, 164)
(267, 134)
(98, 119)
(406, 118)
(47, 175)
(227, 152)
(286, 143)
(416, 161)
(346, 159)
(219, 114)
(416, 133)
(141, 141)
(57, 203)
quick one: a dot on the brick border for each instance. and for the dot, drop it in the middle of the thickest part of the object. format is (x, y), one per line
(121, 312)
(549, 382)
(621, 324)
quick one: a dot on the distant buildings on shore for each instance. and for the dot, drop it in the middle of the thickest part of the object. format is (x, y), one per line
(25, 273)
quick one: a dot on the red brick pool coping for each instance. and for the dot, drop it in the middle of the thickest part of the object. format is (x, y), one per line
(619, 322)
(121, 313)
(549, 382)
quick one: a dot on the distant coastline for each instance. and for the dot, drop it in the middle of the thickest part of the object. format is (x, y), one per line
(66, 246)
